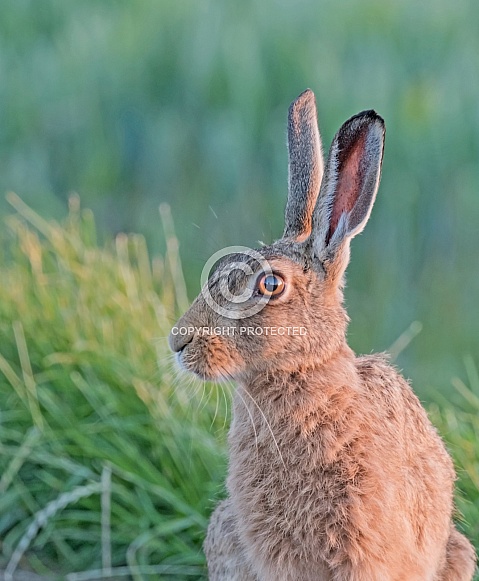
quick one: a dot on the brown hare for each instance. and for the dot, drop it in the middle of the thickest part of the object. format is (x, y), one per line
(335, 471)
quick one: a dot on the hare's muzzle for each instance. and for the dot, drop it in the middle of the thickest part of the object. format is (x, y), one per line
(179, 337)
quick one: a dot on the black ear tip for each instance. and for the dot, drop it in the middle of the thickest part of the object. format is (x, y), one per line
(370, 116)
(373, 116)
(368, 121)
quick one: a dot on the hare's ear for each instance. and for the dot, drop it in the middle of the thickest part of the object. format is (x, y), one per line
(348, 190)
(305, 166)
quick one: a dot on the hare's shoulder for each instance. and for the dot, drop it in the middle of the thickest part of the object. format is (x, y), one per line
(380, 377)
(398, 413)
(390, 396)
(383, 382)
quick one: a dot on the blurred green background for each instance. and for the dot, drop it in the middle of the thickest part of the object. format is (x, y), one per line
(132, 103)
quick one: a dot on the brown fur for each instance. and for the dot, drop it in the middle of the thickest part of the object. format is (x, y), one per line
(335, 472)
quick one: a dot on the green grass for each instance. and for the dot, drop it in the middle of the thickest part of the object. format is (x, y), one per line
(88, 399)
(107, 459)
(460, 428)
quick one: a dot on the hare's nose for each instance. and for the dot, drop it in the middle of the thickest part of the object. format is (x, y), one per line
(180, 337)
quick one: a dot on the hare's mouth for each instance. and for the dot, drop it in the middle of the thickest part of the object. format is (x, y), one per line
(209, 360)
(188, 364)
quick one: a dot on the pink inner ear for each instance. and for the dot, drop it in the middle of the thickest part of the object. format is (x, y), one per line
(348, 186)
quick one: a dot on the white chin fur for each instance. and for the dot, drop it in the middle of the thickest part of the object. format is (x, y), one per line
(211, 376)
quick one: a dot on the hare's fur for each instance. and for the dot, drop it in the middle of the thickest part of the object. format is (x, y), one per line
(335, 471)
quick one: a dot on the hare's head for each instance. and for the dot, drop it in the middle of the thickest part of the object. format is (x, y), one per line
(280, 307)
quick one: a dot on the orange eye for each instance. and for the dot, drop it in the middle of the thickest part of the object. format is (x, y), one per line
(270, 285)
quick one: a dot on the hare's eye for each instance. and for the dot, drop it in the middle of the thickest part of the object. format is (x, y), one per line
(270, 285)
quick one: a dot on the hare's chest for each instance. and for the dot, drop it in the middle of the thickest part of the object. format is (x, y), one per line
(281, 512)
(276, 477)
(290, 503)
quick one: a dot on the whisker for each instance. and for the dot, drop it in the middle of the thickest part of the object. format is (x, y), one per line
(199, 407)
(225, 386)
(226, 382)
(209, 393)
(216, 410)
(252, 421)
(267, 423)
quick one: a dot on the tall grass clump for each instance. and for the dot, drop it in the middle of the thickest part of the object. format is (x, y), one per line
(108, 463)
(460, 427)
